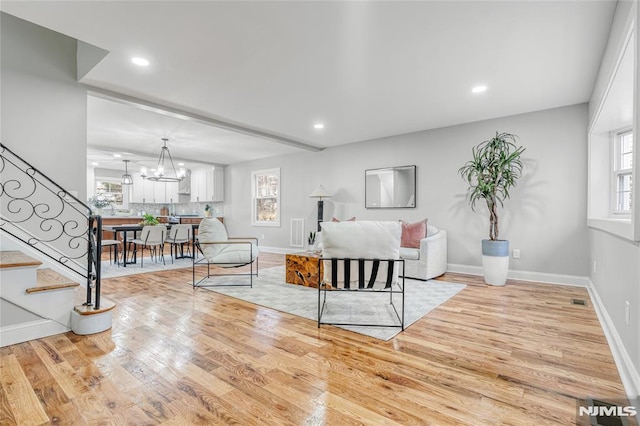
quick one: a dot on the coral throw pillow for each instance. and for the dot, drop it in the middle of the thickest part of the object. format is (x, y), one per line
(412, 233)
(335, 219)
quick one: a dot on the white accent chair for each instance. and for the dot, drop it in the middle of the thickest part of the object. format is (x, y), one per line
(152, 238)
(362, 257)
(430, 260)
(223, 251)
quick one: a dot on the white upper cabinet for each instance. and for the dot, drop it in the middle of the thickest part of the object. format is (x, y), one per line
(216, 188)
(171, 194)
(207, 184)
(198, 185)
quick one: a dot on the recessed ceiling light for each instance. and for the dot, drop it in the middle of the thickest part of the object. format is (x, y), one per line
(141, 62)
(95, 164)
(318, 126)
(180, 164)
(117, 155)
(479, 89)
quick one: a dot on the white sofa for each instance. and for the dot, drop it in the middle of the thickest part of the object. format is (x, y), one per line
(430, 260)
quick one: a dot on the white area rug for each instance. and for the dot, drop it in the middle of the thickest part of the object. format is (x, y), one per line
(113, 270)
(271, 290)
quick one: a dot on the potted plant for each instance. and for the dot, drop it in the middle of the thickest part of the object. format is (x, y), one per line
(149, 220)
(99, 202)
(207, 210)
(311, 240)
(491, 174)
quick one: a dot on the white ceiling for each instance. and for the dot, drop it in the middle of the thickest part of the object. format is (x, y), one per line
(365, 69)
(134, 133)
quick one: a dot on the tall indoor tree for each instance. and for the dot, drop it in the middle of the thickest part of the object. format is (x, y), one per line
(492, 172)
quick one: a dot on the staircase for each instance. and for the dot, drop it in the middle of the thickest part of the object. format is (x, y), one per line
(36, 302)
(48, 222)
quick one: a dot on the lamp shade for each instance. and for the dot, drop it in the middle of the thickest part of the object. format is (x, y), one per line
(320, 192)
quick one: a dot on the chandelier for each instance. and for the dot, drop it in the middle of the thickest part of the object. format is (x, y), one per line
(162, 174)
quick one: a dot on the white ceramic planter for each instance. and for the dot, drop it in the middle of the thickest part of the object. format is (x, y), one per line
(495, 261)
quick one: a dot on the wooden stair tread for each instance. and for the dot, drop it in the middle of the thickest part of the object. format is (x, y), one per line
(16, 259)
(48, 280)
(105, 306)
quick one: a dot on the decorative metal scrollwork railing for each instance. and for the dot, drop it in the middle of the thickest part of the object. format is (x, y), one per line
(43, 215)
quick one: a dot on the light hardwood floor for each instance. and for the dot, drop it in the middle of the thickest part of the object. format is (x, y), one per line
(521, 355)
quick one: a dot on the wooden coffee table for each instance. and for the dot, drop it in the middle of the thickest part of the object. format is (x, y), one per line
(302, 269)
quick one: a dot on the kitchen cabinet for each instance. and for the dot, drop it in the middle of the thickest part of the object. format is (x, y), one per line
(199, 185)
(171, 195)
(147, 191)
(215, 184)
(137, 189)
(207, 184)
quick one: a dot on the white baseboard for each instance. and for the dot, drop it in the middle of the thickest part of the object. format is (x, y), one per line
(540, 277)
(626, 369)
(24, 332)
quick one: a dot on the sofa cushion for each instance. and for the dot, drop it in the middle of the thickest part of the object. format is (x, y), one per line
(431, 230)
(351, 219)
(235, 254)
(412, 233)
(409, 253)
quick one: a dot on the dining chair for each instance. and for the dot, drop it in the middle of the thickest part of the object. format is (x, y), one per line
(179, 235)
(113, 247)
(153, 238)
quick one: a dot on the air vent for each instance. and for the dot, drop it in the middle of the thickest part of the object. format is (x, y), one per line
(579, 302)
(297, 233)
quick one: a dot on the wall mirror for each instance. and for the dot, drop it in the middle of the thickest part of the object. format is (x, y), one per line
(391, 187)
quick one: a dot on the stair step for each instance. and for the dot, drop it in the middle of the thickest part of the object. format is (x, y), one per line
(17, 259)
(48, 280)
(105, 306)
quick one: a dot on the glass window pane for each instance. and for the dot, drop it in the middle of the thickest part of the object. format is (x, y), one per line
(626, 161)
(265, 190)
(266, 209)
(624, 201)
(625, 185)
(624, 182)
(627, 143)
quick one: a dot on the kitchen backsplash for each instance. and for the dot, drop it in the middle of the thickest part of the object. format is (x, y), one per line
(137, 209)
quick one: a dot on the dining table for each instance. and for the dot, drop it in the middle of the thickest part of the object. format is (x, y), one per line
(135, 228)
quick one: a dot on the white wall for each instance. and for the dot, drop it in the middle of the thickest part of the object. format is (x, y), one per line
(617, 275)
(545, 218)
(44, 109)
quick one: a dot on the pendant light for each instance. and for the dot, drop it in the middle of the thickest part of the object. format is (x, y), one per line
(162, 174)
(126, 177)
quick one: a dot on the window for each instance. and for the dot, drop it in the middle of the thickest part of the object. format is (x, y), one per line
(110, 190)
(265, 197)
(622, 172)
(611, 193)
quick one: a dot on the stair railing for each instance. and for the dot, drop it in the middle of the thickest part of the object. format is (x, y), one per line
(40, 213)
